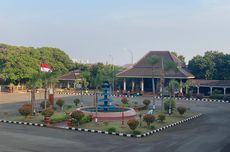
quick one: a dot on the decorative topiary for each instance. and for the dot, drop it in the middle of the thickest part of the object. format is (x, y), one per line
(132, 123)
(48, 112)
(77, 115)
(60, 103)
(181, 110)
(25, 110)
(146, 102)
(124, 100)
(148, 118)
(76, 101)
(161, 117)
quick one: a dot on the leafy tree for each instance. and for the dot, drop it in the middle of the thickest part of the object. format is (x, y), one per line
(213, 65)
(146, 102)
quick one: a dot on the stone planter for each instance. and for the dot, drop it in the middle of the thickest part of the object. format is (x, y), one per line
(69, 122)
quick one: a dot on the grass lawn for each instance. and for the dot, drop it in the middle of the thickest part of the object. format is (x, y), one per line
(104, 126)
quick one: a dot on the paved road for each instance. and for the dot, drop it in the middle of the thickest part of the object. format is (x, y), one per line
(209, 133)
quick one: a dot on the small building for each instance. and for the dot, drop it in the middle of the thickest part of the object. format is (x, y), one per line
(68, 80)
(207, 87)
(138, 77)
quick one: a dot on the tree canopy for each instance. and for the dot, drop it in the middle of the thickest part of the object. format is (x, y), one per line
(213, 65)
(18, 64)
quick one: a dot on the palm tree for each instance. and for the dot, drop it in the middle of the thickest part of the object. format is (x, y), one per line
(34, 83)
(165, 66)
(173, 86)
(187, 85)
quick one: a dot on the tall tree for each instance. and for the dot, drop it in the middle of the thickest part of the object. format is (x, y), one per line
(164, 66)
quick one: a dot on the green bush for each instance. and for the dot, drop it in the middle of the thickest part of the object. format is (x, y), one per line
(181, 110)
(58, 118)
(217, 96)
(148, 118)
(167, 104)
(25, 110)
(60, 102)
(188, 95)
(48, 112)
(42, 104)
(76, 101)
(136, 132)
(152, 127)
(112, 129)
(132, 123)
(86, 119)
(161, 117)
(77, 115)
(146, 102)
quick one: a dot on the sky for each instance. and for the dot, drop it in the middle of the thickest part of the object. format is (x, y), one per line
(113, 30)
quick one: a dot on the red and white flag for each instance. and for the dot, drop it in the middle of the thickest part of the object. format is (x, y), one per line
(45, 68)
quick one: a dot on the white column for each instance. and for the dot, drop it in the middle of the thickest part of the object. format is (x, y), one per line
(133, 85)
(224, 91)
(210, 90)
(142, 85)
(124, 87)
(198, 90)
(181, 88)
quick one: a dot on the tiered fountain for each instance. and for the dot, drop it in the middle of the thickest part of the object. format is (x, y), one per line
(105, 110)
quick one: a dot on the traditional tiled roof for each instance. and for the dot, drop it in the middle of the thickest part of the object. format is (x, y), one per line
(211, 83)
(72, 75)
(143, 69)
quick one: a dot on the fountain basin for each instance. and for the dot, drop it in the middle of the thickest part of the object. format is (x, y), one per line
(112, 114)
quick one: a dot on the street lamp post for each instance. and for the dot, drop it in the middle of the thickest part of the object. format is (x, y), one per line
(113, 73)
(131, 53)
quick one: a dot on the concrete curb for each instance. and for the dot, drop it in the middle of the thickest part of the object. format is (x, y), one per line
(105, 132)
(92, 94)
(156, 97)
(195, 99)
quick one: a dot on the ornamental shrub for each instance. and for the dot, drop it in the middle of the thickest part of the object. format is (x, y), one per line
(48, 112)
(181, 110)
(76, 101)
(148, 118)
(77, 115)
(161, 117)
(152, 127)
(86, 119)
(167, 104)
(132, 123)
(188, 95)
(124, 100)
(112, 129)
(136, 132)
(25, 110)
(146, 102)
(60, 103)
